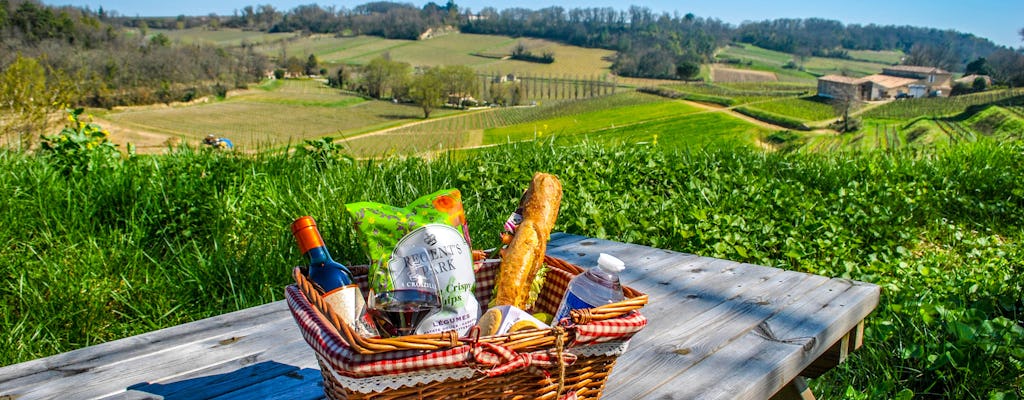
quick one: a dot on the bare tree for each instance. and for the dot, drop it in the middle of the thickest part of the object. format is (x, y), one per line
(843, 103)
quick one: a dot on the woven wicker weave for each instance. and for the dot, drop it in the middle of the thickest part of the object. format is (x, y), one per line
(583, 378)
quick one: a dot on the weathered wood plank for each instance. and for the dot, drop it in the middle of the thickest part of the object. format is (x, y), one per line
(65, 365)
(685, 339)
(760, 362)
(165, 362)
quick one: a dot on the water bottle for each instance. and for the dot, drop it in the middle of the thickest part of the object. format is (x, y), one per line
(595, 287)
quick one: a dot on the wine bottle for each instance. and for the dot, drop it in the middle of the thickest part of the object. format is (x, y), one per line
(339, 288)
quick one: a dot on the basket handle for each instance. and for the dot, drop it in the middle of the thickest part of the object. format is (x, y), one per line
(503, 359)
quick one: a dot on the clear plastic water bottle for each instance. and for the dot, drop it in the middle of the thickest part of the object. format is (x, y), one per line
(595, 287)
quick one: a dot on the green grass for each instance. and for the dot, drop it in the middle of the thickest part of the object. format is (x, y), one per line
(773, 118)
(997, 122)
(614, 119)
(989, 123)
(693, 131)
(466, 129)
(156, 241)
(744, 92)
(807, 109)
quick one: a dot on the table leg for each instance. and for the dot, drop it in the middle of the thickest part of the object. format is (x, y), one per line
(795, 390)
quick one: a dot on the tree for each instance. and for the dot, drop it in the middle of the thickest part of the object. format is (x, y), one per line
(340, 77)
(928, 55)
(844, 102)
(382, 75)
(979, 66)
(1007, 67)
(311, 64)
(498, 93)
(160, 40)
(214, 22)
(27, 99)
(426, 90)
(458, 81)
(979, 84)
(294, 66)
(687, 69)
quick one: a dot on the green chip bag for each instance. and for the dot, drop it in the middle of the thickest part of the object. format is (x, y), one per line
(432, 231)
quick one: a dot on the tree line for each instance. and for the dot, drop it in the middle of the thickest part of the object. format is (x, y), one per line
(54, 57)
(648, 44)
(458, 85)
(113, 67)
(429, 88)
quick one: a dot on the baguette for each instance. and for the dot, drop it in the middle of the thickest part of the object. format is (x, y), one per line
(524, 256)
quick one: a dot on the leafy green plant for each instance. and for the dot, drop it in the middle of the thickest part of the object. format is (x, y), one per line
(81, 146)
(324, 151)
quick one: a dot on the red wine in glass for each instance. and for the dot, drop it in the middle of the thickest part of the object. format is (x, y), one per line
(399, 312)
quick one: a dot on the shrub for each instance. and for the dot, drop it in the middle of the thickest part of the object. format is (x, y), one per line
(773, 118)
(80, 146)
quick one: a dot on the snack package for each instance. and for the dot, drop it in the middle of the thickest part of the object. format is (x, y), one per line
(508, 319)
(434, 228)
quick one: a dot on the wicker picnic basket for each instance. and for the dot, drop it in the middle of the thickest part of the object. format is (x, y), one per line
(567, 361)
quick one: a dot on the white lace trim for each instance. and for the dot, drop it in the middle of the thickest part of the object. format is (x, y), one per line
(378, 384)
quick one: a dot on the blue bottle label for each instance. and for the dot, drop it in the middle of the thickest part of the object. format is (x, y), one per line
(572, 302)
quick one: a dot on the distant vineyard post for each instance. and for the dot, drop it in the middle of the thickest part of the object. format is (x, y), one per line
(548, 80)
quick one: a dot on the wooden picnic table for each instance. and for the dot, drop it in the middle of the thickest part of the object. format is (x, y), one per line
(717, 329)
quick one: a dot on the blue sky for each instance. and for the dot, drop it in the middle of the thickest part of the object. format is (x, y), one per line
(997, 20)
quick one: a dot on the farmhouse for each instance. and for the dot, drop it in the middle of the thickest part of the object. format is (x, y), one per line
(894, 82)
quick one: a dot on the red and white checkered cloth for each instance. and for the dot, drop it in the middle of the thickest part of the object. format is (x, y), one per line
(492, 358)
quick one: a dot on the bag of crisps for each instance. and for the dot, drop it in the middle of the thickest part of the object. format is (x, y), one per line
(431, 232)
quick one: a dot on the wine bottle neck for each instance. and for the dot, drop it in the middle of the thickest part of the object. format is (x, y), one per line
(318, 255)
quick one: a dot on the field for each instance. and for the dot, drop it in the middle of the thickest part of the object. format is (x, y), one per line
(863, 62)
(723, 75)
(890, 57)
(986, 124)
(476, 51)
(619, 119)
(745, 92)
(626, 118)
(468, 129)
(808, 109)
(942, 106)
(222, 37)
(273, 115)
